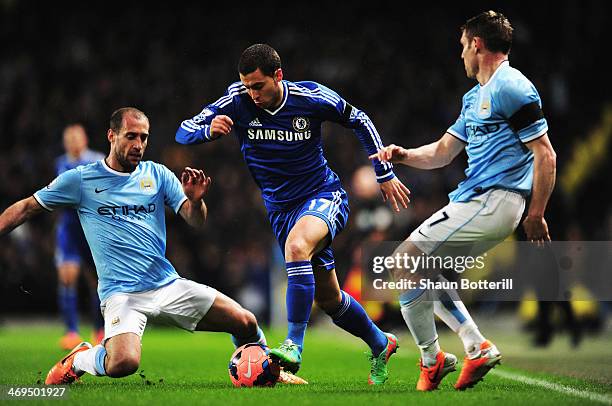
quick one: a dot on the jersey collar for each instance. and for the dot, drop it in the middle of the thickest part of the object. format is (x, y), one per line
(114, 172)
(285, 96)
(501, 65)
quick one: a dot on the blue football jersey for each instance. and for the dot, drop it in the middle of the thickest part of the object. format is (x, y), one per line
(64, 162)
(283, 148)
(122, 215)
(497, 156)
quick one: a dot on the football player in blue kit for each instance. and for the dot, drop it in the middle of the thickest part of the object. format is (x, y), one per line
(505, 135)
(120, 201)
(71, 249)
(278, 125)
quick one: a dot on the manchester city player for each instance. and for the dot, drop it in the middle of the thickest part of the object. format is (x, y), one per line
(504, 132)
(71, 249)
(278, 126)
(120, 201)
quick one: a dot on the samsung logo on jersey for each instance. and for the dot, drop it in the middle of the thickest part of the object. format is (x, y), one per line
(125, 210)
(278, 135)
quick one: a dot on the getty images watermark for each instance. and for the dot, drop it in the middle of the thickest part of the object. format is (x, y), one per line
(508, 271)
(404, 264)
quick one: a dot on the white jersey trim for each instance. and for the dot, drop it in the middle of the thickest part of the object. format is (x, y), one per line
(285, 97)
(111, 170)
(501, 65)
(456, 134)
(38, 199)
(180, 204)
(535, 136)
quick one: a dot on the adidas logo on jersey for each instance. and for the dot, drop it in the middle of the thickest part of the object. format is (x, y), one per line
(255, 123)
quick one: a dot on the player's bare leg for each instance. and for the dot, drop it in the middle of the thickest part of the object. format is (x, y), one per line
(118, 357)
(122, 355)
(226, 315)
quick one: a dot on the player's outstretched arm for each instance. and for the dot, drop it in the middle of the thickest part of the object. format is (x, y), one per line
(18, 214)
(430, 156)
(195, 185)
(544, 174)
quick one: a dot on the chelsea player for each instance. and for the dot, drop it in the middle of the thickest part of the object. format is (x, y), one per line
(503, 130)
(278, 125)
(71, 249)
(120, 201)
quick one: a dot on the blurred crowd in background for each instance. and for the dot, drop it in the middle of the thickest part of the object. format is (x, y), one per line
(65, 63)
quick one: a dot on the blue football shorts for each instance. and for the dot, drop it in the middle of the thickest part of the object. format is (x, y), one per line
(332, 207)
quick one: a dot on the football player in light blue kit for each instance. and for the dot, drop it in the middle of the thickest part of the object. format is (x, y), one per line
(71, 249)
(278, 125)
(504, 132)
(120, 201)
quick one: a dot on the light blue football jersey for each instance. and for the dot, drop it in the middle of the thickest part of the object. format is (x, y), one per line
(122, 215)
(493, 124)
(68, 219)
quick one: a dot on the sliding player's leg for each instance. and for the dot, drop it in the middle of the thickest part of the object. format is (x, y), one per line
(118, 355)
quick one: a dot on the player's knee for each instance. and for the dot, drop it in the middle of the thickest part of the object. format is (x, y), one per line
(247, 324)
(68, 279)
(297, 249)
(329, 302)
(122, 365)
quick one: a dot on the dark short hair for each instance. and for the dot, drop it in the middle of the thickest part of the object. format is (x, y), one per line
(493, 27)
(116, 120)
(261, 56)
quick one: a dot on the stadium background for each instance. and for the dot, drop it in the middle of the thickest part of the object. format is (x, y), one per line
(73, 62)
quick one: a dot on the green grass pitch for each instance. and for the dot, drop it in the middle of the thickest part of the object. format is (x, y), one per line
(182, 368)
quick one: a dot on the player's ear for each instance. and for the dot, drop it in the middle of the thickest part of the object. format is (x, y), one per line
(478, 43)
(278, 75)
(110, 135)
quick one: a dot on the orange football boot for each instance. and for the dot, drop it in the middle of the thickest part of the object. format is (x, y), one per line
(62, 372)
(475, 369)
(431, 376)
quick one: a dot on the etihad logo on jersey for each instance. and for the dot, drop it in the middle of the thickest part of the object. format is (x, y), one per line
(127, 210)
(278, 135)
(480, 133)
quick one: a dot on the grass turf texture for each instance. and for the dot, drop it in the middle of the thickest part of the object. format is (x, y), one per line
(179, 368)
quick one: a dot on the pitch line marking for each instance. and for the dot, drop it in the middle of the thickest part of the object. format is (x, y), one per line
(596, 397)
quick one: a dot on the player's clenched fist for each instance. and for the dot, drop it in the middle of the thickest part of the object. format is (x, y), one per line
(220, 125)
